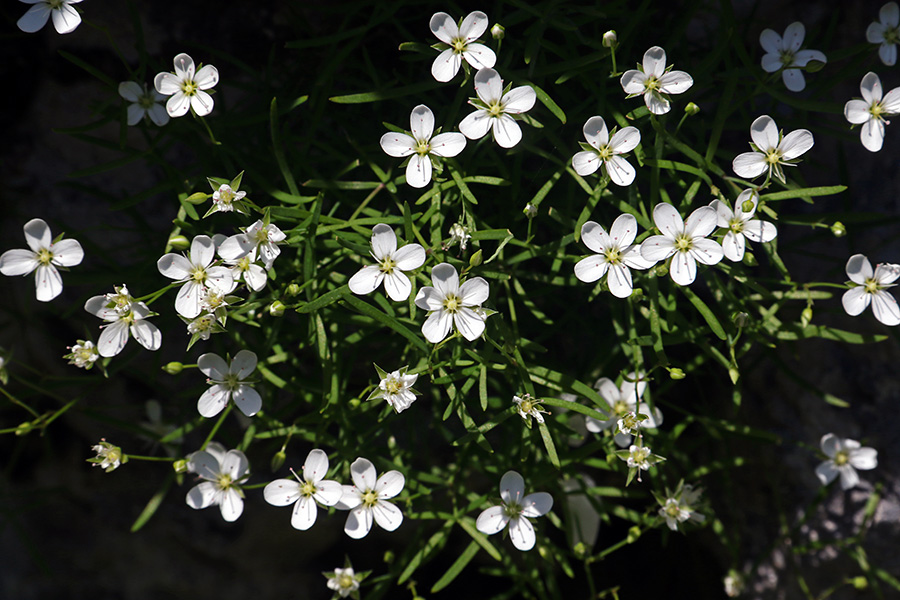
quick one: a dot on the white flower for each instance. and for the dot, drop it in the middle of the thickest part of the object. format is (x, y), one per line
(449, 304)
(886, 32)
(623, 400)
(223, 473)
(639, 457)
(513, 510)
(228, 384)
(606, 152)
(196, 273)
(109, 457)
(123, 316)
(785, 53)
(344, 581)
(186, 88)
(83, 354)
(204, 326)
(396, 388)
(686, 242)
(529, 407)
(461, 44)
(845, 456)
(871, 111)
(870, 289)
(247, 269)
(43, 258)
(304, 493)
(65, 17)
(392, 262)
(741, 224)
(680, 506)
(367, 499)
(495, 109)
(459, 234)
(261, 237)
(144, 103)
(655, 82)
(421, 146)
(224, 196)
(616, 252)
(771, 150)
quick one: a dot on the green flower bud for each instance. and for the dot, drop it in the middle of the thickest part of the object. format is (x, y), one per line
(838, 229)
(741, 319)
(806, 316)
(173, 368)
(24, 428)
(475, 259)
(860, 583)
(278, 460)
(179, 242)
(750, 260)
(660, 270)
(747, 205)
(633, 534)
(197, 198)
(610, 39)
(389, 556)
(691, 109)
(498, 31)
(530, 210)
(293, 289)
(276, 309)
(676, 373)
(180, 466)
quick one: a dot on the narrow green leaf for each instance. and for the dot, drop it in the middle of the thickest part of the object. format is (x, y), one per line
(438, 539)
(369, 310)
(277, 150)
(469, 526)
(153, 504)
(705, 312)
(324, 300)
(549, 445)
(386, 94)
(829, 190)
(549, 103)
(456, 568)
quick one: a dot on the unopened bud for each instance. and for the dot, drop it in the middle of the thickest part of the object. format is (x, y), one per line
(633, 534)
(860, 583)
(498, 31)
(278, 460)
(180, 466)
(660, 270)
(24, 428)
(747, 205)
(389, 556)
(675, 373)
(173, 368)
(293, 289)
(838, 229)
(276, 309)
(197, 198)
(741, 319)
(476, 259)
(530, 210)
(806, 316)
(749, 259)
(179, 242)
(691, 109)
(610, 39)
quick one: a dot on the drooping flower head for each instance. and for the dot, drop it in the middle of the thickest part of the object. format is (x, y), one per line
(367, 499)
(65, 18)
(390, 267)
(615, 253)
(771, 150)
(655, 82)
(600, 150)
(186, 88)
(844, 457)
(514, 510)
(306, 492)
(741, 225)
(228, 384)
(684, 241)
(495, 109)
(886, 32)
(460, 44)
(451, 304)
(870, 112)
(421, 147)
(43, 258)
(870, 289)
(222, 474)
(785, 54)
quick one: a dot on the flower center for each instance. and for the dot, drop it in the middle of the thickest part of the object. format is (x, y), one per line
(345, 581)
(231, 381)
(672, 509)
(620, 408)
(189, 87)
(201, 325)
(226, 194)
(736, 225)
(512, 510)
(392, 385)
(841, 458)
(56, 4)
(629, 423)
(422, 147)
(651, 84)
(495, 109)
(640, 455)
(613, 255)
(892, 35)
(871, 285)
(387, 265)
(773, 156)
(262, 235)
(44, 256)
(370, 499)
(452, 303)
(244, 263)
(224, 481)
(876, 109)
(683, 243)
(787, 58)
(526, 405)
(307, 489)
(458, 45)
(199, 274)
(605, 153)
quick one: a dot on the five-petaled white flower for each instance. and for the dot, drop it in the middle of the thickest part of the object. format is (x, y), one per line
(222, 473)
(196, 273)
(396, 388)
(495, 109)
(741, 224)
(261, 237)
(343, 581)
(870, 112)
(123, 316)
(304, 493)
(655, 81)
(684, 241)
(367, 499)
(623, 400)
(421, 146)
(785, 53)
(224, 197)
(870, 289)
(616, 252)
(771, 150)
(513, 510)
(43, 258)
(65, 17)
(844, 457)
(461, 42)
(449, 304)
(187, 88)
(606, 152)
(392, 262)
(144, 103)
(83, 355)
(886, 32)
(680, 506)
(228, 384)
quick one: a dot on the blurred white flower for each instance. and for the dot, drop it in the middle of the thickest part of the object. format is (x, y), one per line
(771, 150)
(65, 17)
(343, 581)
(224, 196)
(529, 407)
(685, 242)
(886, 32)
(870, 289)
(392, 262)
(785, 53)
(222, 473)
(461, 44)
(187, 88)
(396, 388)
(600, 150)
(616, 252)
(83, 354)
(109, 457)
(741, 224)
(421, 146)
(123, 316)
(43, 257)
(623, 400)
(513, 510)
(495, 109)
(870, 112)
(367, 499)
(144, 103)
(844, 457)
(228, 384)
(450, 304)
(680, 506)
(655, 82)
(304, 493)
(196, 273)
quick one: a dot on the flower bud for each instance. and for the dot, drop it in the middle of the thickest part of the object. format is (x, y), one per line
(179, 242)
(610, 39)
(580, 551)
(691, 109)
(197, 198)
(660, 270)
(24, 428)
(633, 534)
(278, 460)
(860, 583)
(838, 229)
(749, 259)
(276, 309)
(675, 373)
(293, 289)
(476, 259)
(180, 466)
(741, 319)
(354, 402)
(498, 31)
(747, 205)
(806, 316)
(173, 368)
(530, 210)
(389, 556)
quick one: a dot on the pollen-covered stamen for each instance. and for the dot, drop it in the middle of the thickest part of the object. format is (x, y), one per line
(495, 109)
(44, 256)
(345, 581)
(452, 303)
(877, 110)
(773, 156)
(392, 385)
(683, 243)
(189, 87)
(369, 499)
(459, 45)
(841, 458)
(736, 225)
(199, 274)
(613, 255)
(423, 147)
(871, 285)
(224, 481)
(605, 153)
(387, 265)
(651, 84)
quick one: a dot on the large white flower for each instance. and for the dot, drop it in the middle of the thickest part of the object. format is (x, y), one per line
(449, 304)
(607, 152)
(396, 388)
(367, 499)
(870, 289)
(421, 145)
(685, 242)
(43, 258)
(870, 112)
(655, 82)
(741, 224)
(392, 262)
(228, 384)
(616, 252)
(144, 103)
(261, 237)
(123, 316)
(187, 88)
(623, 400)
(785, 53)
(495, 109)
(461, 42)
(771, 151)
(65, 17)
(514, 510)
(304, 493)
(886, 32)
(844, 457)
(222, 473)
(196, 273)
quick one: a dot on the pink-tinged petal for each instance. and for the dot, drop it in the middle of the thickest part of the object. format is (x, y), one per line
(316, 466)
(830, 444)
(213, 366)
(202, 495)
(178, 104)
(875, 33)
(871, 134)
(512, 488)
(359, 523)
(243, 364)
(537, 504)
(65, 19)
(304, 514)
(446, 65)
(166, 83)
(131, 91)
(733, 245)
(885, 308)
(147, 335)
(363, 473)
(476, 125)
(231, 505)
(437, 326)
(595, 237)
(859, 269)
(864, 458)
(656, 248)
(489, 86)
(445, 279)
(418, 171)
(282, 492)
(591, 268)
(632, 81)
(474, 291)
(397, 286)
(48, 283)
(760, 231)
(619, 281)
(707, 251)
(37, 234)
(113, 339)
(469, 323)
(507, 132)
(620, 171)
(749, 165)
(625, 140)
(888, 54)
(889, 15)
(793, 36)
(701, 222)
(656, 103)
(473, 26)
(158, 115)
(187, 301)
(595, 132)
(849, 477)
(655, 61)
(803, 57)
(389, 484)
(770, 62)
(235, 465)
(207, 77)
(631, 257)
(448, 144)
(67, 253)
(134, 114)
(827, 472)
(479, 56)
(384, 241)
(444, 27)
(409, 257)
(521, 533)
(184, 66)
(388, 516)
(623, 230)
(492, 520)
(202, 103)
(247, 400)
(675, 82)
(793, 80)
(328, 493)
(667, 220)
(586, 162)
(764, 133)
(683, 268)
(519, 100)
(429, 299)
(35, 18)
(891, 102)
(18, 262)
(855, 300)
(421, 122)
(770, 41)
(397, 145)
(213, 401)
(796, 143)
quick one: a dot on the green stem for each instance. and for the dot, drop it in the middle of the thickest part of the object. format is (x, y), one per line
(215, 428)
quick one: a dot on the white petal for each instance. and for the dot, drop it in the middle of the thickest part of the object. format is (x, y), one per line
(709, 252)
(429, 299)
(521, 532)
(363, 473)
(37, 234)
(158, 115)
(771, 62)
(174, 266)
(683, 268)
(885, 309)
(48, 283)
(875, 33)
(492, 520)
(201, 495)
(178, 104)
(202, 103)
(418, 171)
(596, 133)
(667, 220)
(723, 213)
(507, 132)
(187, 302)
(207, 77)
(632, 257)
(167, 83)
(421, 122)
(849, 477)
(886, 273)
(827, 472)
(282, 492)
(213, 401)
(620, 171)
(749, 165)
(247, 400)
(656, 103)
(595, 237)
(760, 231)
(859, 269)
(184, 66)
(537, 504)
(409, 257)
(474, 291)
(830, 444)
(891, 101)
(316, 466)
(18, 262)
(591, 268)
(131, 91)
(213, 366)
(366, 280)
(855, 300)
(796, 143)
(135, 114)
(445, 279)
(469, 323)
(113, 339)
(304, 515)
(770, 41)
(655, 61)
(619, 281)
(803, 57)
(764, 133)
(231, 505)
(888, 54)
(633, 81)
(675, 82)
(701, 222)
(733, 244)
(359, 523)
(35, 18)
(864, 458)
(397, 144)
(871, 134)
(147, 335)
(397, 286)
(656, 248)
(65, 19)
(328, 493)
(519, 100)
(350, 498)
(625, 140)
(446, 65)
(512, 488)
(586, 162)
(443, 27)
(448, 144)
(889, 15)
(488, 86)
(793, 36)
(479, 56)
(793, 80)
(235, 465)
(236, 247)
(437, 326)
(473, 26)
(384, 241)
(476, 125)
(387, 515)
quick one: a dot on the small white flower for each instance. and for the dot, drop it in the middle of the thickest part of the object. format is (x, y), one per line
(421, 146)
(655, 82)
(450, 304)
(65, 17)
(224, 196)
(639, 457)
(607, 152)
(83, 354)
(886, 32)
(771, 150)
(870, 112)
(459, 234)
(144, 103)
(262, 238)
(680, 506)
(616, 252)
(222, 473)
(396, 388)
(43, 258)
(513, 510)
(392, 262)
(495, 109)
(248, 270)
(461, 42)
(870, 289)
(187, 88)
(123, 316)
(196, 273)
(109, 457)
(344, 581)
(785, 53)
(367, 498)
(685, 242)
(304, 493)
(844, 457)
(529, 407)
(623, 400)
(228, 384)
(741, 224)
(204, 326)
